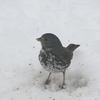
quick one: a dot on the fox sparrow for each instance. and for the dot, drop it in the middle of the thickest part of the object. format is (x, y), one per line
(53, 56)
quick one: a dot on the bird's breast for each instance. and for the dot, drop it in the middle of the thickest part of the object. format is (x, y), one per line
(52, 63)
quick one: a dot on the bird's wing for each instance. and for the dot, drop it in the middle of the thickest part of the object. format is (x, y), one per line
(67, 55)
(64, 58)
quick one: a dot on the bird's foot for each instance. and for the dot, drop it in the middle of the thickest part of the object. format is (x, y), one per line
(62, 86)
(47, 82)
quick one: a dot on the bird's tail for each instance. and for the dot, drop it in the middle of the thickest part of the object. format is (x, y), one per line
(72, 47)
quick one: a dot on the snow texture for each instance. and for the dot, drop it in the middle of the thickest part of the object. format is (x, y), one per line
(73, 21)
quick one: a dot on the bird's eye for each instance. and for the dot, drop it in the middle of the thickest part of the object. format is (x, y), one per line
(46, 39)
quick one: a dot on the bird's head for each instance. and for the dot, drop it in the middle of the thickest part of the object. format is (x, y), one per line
(49, 41)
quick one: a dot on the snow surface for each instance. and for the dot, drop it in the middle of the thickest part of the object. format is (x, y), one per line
(73, 21)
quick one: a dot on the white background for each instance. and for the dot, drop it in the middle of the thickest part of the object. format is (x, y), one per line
(73, 21)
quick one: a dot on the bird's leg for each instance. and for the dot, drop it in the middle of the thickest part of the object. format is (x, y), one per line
(63, 79)
(47, 81)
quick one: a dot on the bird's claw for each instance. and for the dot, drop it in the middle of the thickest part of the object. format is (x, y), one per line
(62, 86)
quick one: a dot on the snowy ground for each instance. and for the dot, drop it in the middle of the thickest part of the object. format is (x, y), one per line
(73, 21)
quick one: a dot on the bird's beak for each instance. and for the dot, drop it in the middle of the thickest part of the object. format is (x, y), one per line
(39, 39)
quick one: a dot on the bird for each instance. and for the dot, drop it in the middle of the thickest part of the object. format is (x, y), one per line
(53, 57)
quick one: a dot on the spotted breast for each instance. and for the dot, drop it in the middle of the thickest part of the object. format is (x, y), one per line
(51, 62)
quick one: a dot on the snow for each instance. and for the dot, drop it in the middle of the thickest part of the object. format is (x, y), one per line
(73, 21)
